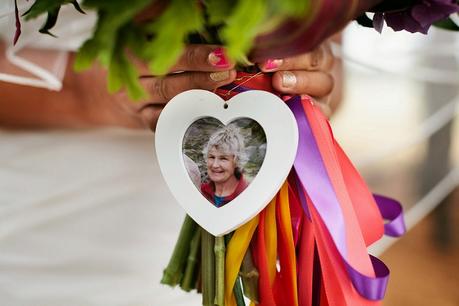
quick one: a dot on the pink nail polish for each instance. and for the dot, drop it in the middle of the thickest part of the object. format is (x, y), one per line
(218, 58)
(272, 64)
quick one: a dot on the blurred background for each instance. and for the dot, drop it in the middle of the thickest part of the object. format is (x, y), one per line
(399, 124)
(85, 213)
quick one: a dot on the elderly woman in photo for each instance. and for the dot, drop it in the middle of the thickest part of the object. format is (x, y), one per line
(224, 155)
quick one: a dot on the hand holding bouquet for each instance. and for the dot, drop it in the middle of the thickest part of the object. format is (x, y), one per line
(252, 31)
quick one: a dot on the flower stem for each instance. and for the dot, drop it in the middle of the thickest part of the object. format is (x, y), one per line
(208, 268)
(220, 271)
(238, 293)
(249, 276)
(173, 273)
(191, 272)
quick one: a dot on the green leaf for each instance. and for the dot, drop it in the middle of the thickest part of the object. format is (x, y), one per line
(43, 6)
(103, 40)
(50, 22)
(108, 5)
(218, 10)
(122, 72)
(447, 24)
(242, 27)
(51, 7)
(364, 20)
(108, 46)
(77, 7)
(86, 55)
(170, 31)
(136, 40)
(291, 8)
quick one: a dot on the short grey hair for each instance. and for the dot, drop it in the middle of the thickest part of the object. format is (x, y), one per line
(229, 140)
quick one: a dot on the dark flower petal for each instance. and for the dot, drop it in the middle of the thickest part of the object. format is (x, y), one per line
(421, 15)
(18, 23)
(378, 21)
(399, 21)
(428, 13)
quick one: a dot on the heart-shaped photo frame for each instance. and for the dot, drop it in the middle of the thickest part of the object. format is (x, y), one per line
(225, 143)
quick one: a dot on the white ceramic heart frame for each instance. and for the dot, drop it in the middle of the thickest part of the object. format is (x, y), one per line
(281, 131)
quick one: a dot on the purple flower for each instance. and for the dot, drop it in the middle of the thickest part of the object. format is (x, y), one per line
(418, 17)
(18, 23)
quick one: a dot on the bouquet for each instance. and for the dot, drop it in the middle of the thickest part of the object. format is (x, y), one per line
(251, 31)
(308, 246)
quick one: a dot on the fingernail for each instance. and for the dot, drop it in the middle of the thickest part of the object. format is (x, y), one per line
(219, 76)
(288, 79)
(272, 64)
(218, 58)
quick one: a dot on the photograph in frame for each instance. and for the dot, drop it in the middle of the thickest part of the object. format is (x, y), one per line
(222, 160)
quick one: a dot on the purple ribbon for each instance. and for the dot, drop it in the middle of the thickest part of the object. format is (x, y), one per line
(392, 211)
(303, 202)
(372, 288)
(312, 175)
(314, 178)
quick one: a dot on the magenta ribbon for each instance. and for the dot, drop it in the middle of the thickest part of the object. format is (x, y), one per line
(312, 174)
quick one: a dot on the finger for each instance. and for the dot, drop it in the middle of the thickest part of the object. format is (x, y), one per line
(203, 58)
(163, 89)
(313, 83)
(150, 114)
(320, 59)
(325, 109)
(324, 106)
(199, 58)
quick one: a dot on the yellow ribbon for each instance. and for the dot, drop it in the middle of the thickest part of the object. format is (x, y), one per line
(236, 250)
(286, 224)
(271, 239)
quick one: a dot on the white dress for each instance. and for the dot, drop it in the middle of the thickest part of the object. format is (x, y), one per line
(85, 217)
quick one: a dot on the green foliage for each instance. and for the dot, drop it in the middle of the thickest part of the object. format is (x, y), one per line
(292, 8)
(242, 27)
(107, 5)
(447, 24)
(51, 20)
(161, 41)
(108, 46)
(170, 31)
(218, 10)
(51, 8)
(40, 7)
(108, 28)
(122, 72)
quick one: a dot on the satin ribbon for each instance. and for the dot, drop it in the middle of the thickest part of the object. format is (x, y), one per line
(236, 250)
(392, 211)
(314, 178)
(286, 288)
(264, 262)
(317, 190)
